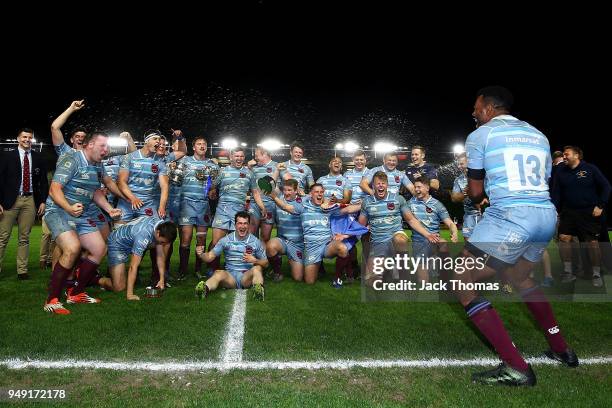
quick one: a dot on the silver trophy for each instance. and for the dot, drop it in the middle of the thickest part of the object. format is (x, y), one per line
(176, 173)
(204, 174)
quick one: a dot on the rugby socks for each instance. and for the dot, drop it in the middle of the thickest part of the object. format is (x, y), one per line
(341, 263)
(87, 270)
(353, 257)
(184, 260)
(170, 251)
(542, 312)
(198, 265)
(486, 319)
(216, 263)
(58, 277)
(275, 261)
(154, 268)
(348, 267)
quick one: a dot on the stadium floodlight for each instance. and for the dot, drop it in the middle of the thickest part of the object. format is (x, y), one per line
(215, 144)
(339, 146)
(384, 147)
(271, 144)
(229, 143)
(458, 148)
(33, 140)
(115, 141)
(350, 146)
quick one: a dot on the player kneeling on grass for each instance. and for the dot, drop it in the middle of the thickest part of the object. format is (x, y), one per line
(290, 235)
(136, 236)
(245, 260)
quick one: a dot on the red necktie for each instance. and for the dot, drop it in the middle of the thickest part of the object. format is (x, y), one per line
(26, 173)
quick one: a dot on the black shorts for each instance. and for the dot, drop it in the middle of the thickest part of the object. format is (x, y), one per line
(581, 224)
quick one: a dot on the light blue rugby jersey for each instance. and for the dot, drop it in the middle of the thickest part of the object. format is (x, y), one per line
(459, 187)
(354, 178)
(395, 178)
(79, 178)
(384, 215)
(334, 185)
(315, 223)
(234, 249)
(430, 212)
(144, 173)
(233, 184)
(193, 189)
(289, 226)
(300, 172)
(174, 191)
(136, 235)
(516, 159)
(262, 171)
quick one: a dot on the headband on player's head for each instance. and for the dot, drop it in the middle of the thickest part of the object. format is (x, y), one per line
(152, 133)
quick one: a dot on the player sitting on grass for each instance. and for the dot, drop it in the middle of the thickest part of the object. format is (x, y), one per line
(245, 260)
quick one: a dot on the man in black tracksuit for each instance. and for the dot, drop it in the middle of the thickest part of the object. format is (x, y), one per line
(580, 192)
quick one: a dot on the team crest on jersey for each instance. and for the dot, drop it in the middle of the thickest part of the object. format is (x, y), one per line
(101, 217)
(269, 216)
(581, 174)
(148, 212)
(248, 249)
(269, 169)
(391, 206)
(154, 168)
(429, 210)
(298, 254)
(301, 170)
(110, 163)
(338, 182)
(67, 164)
(397, 179)
(91, 222)
(242, 175)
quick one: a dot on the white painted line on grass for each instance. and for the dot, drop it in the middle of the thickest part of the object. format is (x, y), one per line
(17, 364)
(231, 349)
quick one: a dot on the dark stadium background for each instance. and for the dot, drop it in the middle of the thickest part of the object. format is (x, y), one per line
(320, 104)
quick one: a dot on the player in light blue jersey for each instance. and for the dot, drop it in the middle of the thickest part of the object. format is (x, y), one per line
(289, 238)
(92, 212)
(263, 166)
(430, 212)
(179, 149)
(295, 169)
(135, 238)
(76, 139)
(245, 260)
(383, 212)
(319, 241)
(396, 178)
(338, 188)
(232, 186)
(143, 181)
(354, 176)
(471, 212)
(510, 159)
(195, 205)
(75, 184)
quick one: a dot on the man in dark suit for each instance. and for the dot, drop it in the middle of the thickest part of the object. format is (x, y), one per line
(23, 191)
